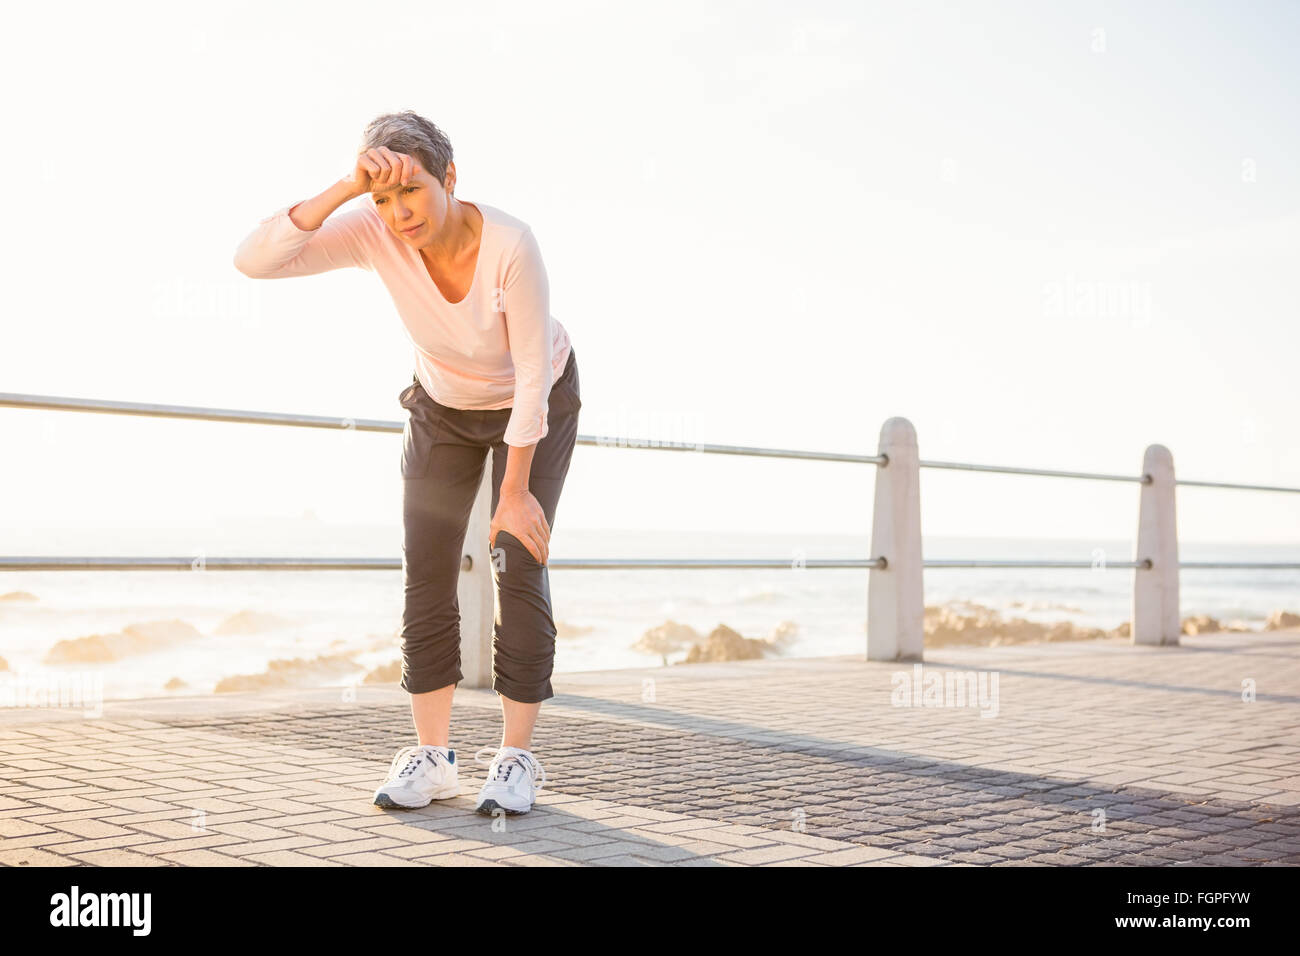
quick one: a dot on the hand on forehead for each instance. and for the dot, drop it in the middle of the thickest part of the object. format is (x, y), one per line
(387, 167)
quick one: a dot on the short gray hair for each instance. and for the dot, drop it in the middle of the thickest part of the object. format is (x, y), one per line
(409, 132)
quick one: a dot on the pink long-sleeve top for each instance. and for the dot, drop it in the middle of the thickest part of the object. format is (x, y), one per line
(499, 347)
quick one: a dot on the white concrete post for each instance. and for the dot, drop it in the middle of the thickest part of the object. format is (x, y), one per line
(475, 592)
(895, 595)
(1155, 592)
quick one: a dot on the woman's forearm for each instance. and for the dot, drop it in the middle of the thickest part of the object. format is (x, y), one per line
(519, 464)
(298, 241)
(311, 213)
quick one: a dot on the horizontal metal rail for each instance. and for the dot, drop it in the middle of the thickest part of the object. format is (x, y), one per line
(52, 563)
(193, 412)
(1008, 470)
(64, 563)
(704, 447)
(59, 563)
(1144, 564)
(1234, 485)
(195, 563)
(649, 563)
(69, 404)
(59, 403)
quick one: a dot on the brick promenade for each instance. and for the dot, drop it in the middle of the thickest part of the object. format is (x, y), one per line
(1099, 753)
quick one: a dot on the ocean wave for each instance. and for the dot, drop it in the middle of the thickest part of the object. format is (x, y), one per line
(250, 622)
(1046, 606)
(563, 630)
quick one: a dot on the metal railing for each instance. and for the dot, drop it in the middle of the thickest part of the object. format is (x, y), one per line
(895, 602)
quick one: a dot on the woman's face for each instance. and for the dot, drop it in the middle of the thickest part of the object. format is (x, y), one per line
(417, 211)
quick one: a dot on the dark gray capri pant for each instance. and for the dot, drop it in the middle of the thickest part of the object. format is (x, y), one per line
(444, 451)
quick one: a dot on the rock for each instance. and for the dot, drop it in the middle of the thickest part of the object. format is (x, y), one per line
(724, 644)
(175, 684)
(666, 639)
(390, 673)
(986, 627)
(133, 639)
(1201, 624)
(18, 596)
(1280, 619)
(302, 672)
(1062, 631)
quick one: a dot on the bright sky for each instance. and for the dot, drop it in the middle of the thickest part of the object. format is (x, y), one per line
(1047, 234)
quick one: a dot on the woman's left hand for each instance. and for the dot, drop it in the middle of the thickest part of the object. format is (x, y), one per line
(520, 513)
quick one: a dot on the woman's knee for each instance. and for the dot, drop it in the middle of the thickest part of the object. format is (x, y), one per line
(509, 554)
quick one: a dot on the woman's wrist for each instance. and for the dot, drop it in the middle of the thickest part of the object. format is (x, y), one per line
(348, 188)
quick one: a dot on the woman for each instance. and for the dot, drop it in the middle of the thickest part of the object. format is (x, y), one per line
(494, 372)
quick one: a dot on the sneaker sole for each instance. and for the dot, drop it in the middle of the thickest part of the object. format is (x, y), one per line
(487, 807)
(388, 803)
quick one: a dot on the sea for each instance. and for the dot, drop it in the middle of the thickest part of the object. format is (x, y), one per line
(188, 632)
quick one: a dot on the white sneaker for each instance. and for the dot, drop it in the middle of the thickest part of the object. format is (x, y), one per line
(514, 779)
(418, 775)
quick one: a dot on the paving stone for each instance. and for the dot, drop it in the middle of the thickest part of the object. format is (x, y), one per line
(827, 773)
(205, 858)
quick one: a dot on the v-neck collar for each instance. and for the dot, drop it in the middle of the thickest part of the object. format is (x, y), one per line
(478, 258)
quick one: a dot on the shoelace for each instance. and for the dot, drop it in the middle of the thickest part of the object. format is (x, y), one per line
(414, 757)
(501, 767)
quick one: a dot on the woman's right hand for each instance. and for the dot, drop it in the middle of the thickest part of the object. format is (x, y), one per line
(381, 166)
